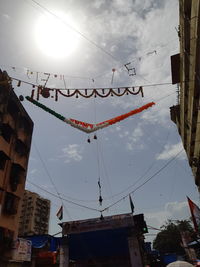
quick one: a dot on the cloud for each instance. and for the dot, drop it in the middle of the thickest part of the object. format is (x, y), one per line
(170, 151)
(171, 211)
(6, 16)
(33, 171)
(72, 152)
(133, 139)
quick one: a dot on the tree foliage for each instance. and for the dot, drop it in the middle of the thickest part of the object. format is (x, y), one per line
(168, 240)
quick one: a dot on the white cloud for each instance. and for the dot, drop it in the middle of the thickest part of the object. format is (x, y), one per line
(170, 151)
(33, 171)
(133, 139)
(171, 211)
(72, 152)
(6, 16)
(124, 134)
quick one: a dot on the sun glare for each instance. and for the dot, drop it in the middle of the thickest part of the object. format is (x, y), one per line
(54, 38)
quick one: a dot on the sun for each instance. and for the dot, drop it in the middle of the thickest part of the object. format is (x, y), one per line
(54, 37)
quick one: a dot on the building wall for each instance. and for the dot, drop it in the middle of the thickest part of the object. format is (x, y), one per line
(187, 114)
(15, 140)
(34, 214)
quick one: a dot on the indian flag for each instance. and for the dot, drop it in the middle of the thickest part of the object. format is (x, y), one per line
(195, 212)
(60, 213)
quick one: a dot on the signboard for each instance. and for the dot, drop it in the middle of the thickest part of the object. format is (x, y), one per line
(108, 222)
(22, 250)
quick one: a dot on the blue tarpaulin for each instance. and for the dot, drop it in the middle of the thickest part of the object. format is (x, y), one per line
(40, 241)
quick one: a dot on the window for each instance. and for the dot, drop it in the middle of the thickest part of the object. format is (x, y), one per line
(15, 175)
(10, 204)
(21, 148)
(25, 124)
(6, 237)
(3, 158)
(13, 109)
(6, 131)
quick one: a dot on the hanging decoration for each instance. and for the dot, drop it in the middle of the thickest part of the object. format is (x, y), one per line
(104, 92)
(86, 92)
(113, 72)
(131, 71)
(33, 73)
(88, 127)
(100, 196)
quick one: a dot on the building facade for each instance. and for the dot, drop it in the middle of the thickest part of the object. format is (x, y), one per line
(186, 72)
(16, 129)
(34, 215)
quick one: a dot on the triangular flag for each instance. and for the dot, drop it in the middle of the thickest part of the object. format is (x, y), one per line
(131, 204)
(195, 212)
(60, 213)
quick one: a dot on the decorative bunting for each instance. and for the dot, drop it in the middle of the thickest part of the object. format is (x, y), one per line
(105, 92)
(87, 92)
(88, 127)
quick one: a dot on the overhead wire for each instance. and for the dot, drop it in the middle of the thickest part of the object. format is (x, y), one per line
(150, 178)
(50, 178)
(64, 199)
(32, 72)
(99, 171)
(99, 88)
(123, 198)
(82, 77)
(129, 193)
(145, 173)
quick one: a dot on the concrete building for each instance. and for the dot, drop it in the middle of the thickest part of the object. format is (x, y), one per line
(186, 72)
(15, 140)
(34, 215)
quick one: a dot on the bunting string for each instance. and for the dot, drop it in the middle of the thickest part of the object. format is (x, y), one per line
(87, 93)
(82, 92)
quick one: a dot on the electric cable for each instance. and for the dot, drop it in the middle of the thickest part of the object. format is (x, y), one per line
(145, 173)
(150, 178)
(99, 88)
(64, 199)
(50, 178)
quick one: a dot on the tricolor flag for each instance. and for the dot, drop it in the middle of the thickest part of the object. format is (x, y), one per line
(131, 204)
(60, 213)
(195, 212)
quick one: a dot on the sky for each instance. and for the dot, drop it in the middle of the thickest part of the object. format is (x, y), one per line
(85, 41)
